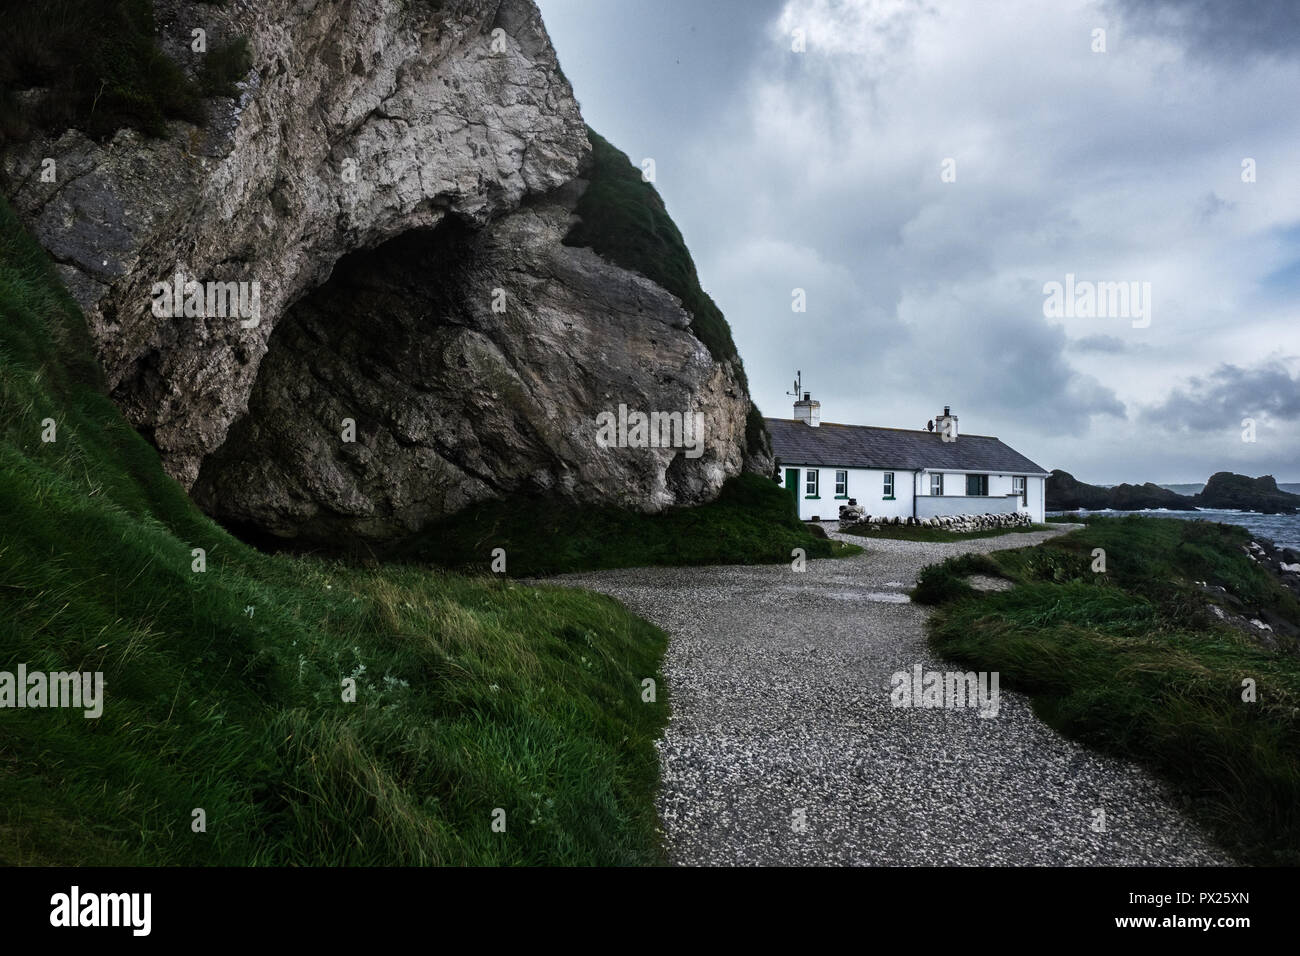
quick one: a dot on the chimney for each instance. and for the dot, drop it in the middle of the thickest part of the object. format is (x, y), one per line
(946, 424)
(808, 411)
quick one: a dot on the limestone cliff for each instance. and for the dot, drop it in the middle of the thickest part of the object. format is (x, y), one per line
(396, 178)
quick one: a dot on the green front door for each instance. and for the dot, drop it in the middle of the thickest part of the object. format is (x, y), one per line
(792, 486)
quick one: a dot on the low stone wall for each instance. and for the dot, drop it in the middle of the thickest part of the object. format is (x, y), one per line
(984, 522)
(943, 506)
(960, 523)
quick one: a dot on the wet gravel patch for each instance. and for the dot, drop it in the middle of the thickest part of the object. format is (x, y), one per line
(985, 582)
(784, 747)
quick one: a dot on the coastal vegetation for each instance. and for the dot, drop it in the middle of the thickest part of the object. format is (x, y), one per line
(623, 218)
(1114, 633)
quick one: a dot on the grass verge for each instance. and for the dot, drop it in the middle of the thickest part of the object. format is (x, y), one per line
(751, 522)
(1129, 661)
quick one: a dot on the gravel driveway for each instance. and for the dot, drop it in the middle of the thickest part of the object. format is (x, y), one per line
(784, 747)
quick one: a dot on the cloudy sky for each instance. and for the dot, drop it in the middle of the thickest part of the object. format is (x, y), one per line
(828, 170)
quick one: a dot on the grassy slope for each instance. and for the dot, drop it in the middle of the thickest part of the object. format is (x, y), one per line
(473, 693)
(751, 522)
(1128, 661)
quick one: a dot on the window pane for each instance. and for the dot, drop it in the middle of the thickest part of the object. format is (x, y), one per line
(841, 482)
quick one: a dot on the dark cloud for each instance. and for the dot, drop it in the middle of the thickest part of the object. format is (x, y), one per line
(1018, 379)
(1212, 205)
(1226, 28)
(1219, 401)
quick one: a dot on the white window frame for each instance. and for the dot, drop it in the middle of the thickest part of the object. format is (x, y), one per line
(936, 484)
(888, 489)
(841, 487)
(810, 483)
(1023, 488)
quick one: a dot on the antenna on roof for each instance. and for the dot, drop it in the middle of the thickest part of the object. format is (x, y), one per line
(798, 384)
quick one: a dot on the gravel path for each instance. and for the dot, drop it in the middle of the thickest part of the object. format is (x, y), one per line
(784, 747)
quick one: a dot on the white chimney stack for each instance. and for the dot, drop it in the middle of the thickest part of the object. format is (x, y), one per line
(808, 411)
(946, 424)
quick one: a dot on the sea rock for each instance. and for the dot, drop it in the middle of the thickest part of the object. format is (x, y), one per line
(1238, 492)
(1067, 493)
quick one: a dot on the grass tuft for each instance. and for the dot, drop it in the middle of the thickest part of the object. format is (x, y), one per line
(95, 65)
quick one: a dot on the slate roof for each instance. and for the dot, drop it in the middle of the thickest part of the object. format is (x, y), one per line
(897, 449)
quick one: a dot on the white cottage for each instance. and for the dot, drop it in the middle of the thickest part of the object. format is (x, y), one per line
(898, 472)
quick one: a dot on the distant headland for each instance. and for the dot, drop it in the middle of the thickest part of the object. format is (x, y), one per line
(1224, 490)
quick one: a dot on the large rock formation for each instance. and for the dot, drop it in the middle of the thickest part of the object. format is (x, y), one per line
(1147, 496)
(470, 362)
(1064, 492)
(1241, 492)
(396, 177)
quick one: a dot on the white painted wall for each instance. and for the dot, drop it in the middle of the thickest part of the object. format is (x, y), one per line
(1000, 486)
(867, 484)
(1037, 488)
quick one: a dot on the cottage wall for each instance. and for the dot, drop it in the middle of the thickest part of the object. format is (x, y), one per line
(867, 487)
